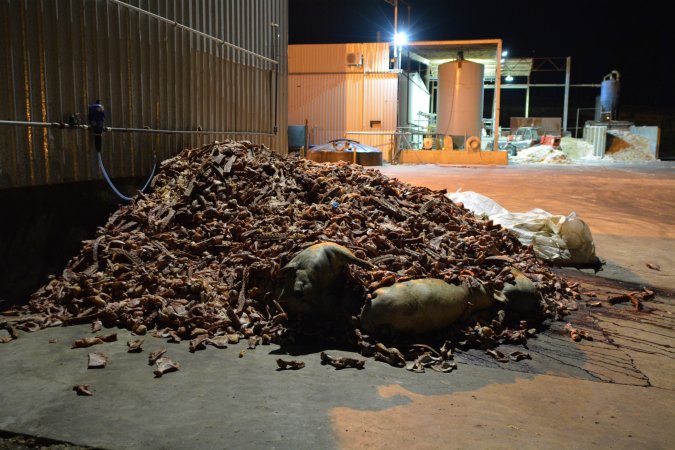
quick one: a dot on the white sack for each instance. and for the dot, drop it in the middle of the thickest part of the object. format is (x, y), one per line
(559, 239)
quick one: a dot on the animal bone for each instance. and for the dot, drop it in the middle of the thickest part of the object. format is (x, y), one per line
(218, 341)
(341, 362)
(135, 346)
(293, 365)
(165, 365)
(86, 342)
(576, 334)
(499, 356)
(97, 360)
(83, 389)
(96, 326)
(518, 355)
(198, 343)
(154, 356)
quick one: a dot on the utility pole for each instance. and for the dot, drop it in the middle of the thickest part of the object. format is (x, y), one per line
(394, 3)
(568, 63)
(397, 58)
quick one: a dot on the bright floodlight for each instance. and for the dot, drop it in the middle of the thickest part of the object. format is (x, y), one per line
(505, 53)
(508, 78)
(400, 39)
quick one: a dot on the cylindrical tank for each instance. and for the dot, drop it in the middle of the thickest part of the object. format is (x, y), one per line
(609, 92)
(459, 104)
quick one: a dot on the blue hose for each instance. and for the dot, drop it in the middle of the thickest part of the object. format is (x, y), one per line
(112, 186)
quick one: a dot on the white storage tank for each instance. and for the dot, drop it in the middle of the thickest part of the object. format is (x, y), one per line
(459, 104)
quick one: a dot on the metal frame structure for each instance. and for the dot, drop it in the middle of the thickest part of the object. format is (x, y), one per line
(479, 49)
(514, 66)
(435, 52)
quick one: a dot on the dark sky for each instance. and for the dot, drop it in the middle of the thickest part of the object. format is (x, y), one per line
(638, 41)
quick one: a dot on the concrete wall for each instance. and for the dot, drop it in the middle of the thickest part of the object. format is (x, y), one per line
(42, 227)
(651, 133)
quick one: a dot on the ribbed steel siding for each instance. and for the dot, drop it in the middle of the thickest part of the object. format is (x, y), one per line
(321, 99)
(333, 57)
(335, 98)
(381, 104)
(58, 56)
(334, 104)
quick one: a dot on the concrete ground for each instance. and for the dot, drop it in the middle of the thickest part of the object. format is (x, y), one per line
(616, 391)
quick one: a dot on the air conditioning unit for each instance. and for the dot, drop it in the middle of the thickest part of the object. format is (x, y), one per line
(354, 59)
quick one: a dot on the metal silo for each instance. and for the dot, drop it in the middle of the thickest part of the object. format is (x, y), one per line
(460, 98)
(609, 93)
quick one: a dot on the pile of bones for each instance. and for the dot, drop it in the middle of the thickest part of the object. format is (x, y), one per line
(235, 242)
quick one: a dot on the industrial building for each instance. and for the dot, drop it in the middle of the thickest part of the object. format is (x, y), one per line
(158, 68)
(427, 96)
(387, 107)
(213, 239)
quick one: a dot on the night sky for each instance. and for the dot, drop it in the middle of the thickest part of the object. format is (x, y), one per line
(599, 36)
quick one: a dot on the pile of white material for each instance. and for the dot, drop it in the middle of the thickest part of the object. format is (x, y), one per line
(541, 154)
(625, 146)
(577, 148)
(563, 240)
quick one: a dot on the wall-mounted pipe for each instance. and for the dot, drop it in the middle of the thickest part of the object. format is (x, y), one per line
(383, 133)
(277, 50)
(62, 125)
(150, 130)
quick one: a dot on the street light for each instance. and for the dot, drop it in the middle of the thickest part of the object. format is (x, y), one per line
(508, 78)
(400, 39)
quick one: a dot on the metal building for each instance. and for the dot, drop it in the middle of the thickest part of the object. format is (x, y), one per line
(340, 88)
(350, 90)
(180, 73)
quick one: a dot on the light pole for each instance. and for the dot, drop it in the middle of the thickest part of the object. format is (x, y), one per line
(399, 38)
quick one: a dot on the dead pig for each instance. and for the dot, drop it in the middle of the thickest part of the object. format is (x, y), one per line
(421, 306)
(522, 296)
(316, 275)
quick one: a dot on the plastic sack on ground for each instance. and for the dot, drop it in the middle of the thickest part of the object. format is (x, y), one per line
(563, 240)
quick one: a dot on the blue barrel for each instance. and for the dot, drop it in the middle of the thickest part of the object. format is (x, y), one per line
(296, 137)
(609, 92)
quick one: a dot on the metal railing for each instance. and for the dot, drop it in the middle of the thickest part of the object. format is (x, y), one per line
(400, 139)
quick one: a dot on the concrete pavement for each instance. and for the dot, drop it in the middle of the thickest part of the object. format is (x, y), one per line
(616, 391)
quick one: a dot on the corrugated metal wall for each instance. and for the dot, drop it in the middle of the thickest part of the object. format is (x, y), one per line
(56, 57)
(336, 98)
(324, 58)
